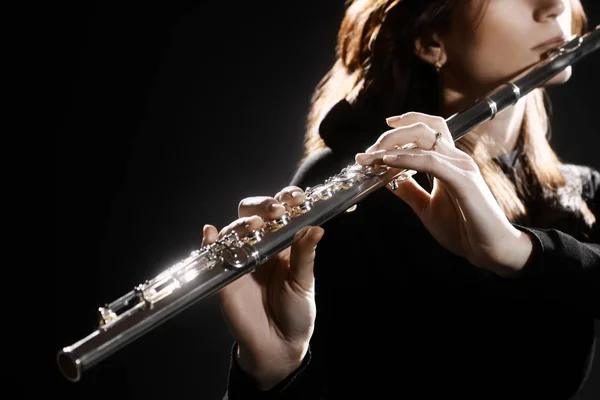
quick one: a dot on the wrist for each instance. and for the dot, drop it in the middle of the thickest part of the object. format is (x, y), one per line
(267, 370)
(515, 255)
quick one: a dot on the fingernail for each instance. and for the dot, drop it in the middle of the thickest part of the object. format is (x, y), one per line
(393, 119)
(363, 157)
(389, 157)
(297, 194)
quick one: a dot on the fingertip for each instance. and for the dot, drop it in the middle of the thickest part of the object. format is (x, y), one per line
(319, 231)
(392, 120)
(316, 234)
(210, 233)
(360, 158)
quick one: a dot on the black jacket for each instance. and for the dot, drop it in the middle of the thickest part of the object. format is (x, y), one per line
(399, 315)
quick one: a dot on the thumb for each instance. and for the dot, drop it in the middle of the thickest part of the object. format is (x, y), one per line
(412, 194)
(302, 256)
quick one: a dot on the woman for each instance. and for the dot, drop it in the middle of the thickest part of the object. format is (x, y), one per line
(483, 284)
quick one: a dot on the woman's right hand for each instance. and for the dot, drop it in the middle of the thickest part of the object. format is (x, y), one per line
(271, 311)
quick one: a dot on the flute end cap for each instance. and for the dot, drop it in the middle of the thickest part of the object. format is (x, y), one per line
(69, 367)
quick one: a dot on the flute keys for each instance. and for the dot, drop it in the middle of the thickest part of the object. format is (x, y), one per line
(254, 236)
(235, 257)
(277, 223)
(302, 208)
(106, 315)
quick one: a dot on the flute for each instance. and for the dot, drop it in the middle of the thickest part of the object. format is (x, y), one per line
(212, 267)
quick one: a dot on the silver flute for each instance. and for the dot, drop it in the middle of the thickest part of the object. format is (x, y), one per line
(213, 266)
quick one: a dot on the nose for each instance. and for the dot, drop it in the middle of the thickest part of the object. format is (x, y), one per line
(548, 10)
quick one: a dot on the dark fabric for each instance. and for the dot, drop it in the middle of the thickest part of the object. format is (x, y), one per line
(243, 386)
(399, 316)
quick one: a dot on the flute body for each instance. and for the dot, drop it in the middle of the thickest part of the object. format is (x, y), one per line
(212, 267)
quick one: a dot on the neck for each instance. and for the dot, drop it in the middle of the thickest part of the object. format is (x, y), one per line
(503, 129)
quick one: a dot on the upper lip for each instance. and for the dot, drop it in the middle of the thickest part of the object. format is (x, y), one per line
(555, 42)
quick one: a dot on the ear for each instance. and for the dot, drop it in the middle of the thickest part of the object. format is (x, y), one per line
(430, 48)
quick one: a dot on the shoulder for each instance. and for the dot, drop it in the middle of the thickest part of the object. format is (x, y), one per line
(319, 166)
(583, 179)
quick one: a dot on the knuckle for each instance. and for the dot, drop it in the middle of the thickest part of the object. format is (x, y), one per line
(291, 189)
(419, 133)
(249, 202)
(422, 126)
(423, 130)
(471, 166)
(440, 122)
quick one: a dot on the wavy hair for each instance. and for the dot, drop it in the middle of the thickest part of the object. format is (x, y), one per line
(376, 67)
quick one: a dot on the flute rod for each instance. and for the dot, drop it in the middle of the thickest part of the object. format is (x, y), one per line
(212, 267)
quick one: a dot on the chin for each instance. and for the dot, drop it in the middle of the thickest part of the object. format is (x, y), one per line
(561, 77)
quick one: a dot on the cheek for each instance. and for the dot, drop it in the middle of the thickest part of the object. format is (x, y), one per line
(498, 49)
(490, 61)
(501, 57)
(496, 53)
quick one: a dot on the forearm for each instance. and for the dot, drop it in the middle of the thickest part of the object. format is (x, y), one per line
(515, 252)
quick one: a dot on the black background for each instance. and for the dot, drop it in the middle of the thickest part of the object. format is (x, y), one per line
(171, 113)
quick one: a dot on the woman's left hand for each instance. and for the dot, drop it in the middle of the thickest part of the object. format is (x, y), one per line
(461, 211)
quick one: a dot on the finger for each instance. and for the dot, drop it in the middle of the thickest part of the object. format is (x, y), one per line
(302, 256)
(243, 225)
(449, 170)
(416, 135)
(433, 121)
(265, 207)
(209, 235)
(290, 196)
(413, 194)
(376, 157)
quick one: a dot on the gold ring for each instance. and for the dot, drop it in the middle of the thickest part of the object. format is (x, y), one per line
(438, 137)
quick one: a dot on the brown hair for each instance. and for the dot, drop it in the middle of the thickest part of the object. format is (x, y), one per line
(374, 53)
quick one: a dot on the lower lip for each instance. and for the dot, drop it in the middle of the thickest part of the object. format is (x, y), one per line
(551, 46)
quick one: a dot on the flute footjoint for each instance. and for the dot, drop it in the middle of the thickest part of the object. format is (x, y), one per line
(210, 268)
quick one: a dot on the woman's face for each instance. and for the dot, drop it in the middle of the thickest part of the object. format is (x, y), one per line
(491, 41)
